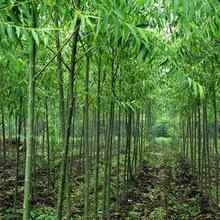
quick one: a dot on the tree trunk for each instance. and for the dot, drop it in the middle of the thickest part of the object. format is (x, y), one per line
(97, 139)
(3, 139)
(216, 151)
(199, 143)
(118, 158)
(48, 148)
(30, 132)
(68, 122)
(60, 74)
(208, 156)
(87, 159)
(18, 129)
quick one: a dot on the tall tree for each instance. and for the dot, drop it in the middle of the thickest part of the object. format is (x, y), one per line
(69, 119)
(30, 132)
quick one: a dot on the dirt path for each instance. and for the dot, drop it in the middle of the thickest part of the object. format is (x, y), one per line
(165, 190)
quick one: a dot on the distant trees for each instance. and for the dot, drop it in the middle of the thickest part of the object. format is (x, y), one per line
(162, 129)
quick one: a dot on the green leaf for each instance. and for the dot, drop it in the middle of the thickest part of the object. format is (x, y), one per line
(195, 88)
(105, 20)
(118, 14)
(186, 6)
(35, 36)
(2, 28)
(213, 29)
(82, 17)
(116, 28)
(18, 31)
(75, 20)
(88, 22)
(66, 15)
(132, 29)
(26, 10)
(18, 65)
(181, 77)
(98, 27)
(126, 32)
(190, 81)
(46, 38)
(10, 32)
(176, 5)
(27, 35)
(201, 91)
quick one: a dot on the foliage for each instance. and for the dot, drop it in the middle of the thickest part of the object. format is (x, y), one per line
(105, 79)
(162, 129)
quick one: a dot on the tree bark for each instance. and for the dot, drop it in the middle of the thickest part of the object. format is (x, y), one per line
(87, 159)
(30, 132)
(97, 139)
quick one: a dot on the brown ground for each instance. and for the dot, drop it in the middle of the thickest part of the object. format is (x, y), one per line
(165, 192)
(164, 189)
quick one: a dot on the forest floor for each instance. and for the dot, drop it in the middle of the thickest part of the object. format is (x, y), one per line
(164, 189)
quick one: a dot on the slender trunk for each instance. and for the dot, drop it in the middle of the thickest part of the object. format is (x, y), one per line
(191, 142)
(125, 163)
(18, 126)
(199, 143)
(118, 158)
(69, 168)
(25, 138)
(30, 140)
(141, 139)
(82, 141)
(106, 157)
(92, 131)
(187, 138)
(129, 132)
(97, 139)
(48, 148)
(87, 141)
(111, 127)
(34, 167)
(195, 140)
(68, 193)
(73, 135)
(217, 156)
(9, 132)
(43, 141)
(137, 140)
(68, 122)
(208, 157)
(3, 139)
(60, 75)
(62, 106)
(184, 139)
(110, 136)
(204, 165)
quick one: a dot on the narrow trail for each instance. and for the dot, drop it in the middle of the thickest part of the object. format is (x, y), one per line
(165, 189)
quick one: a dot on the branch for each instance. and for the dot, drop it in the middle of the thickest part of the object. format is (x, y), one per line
(56, 54)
